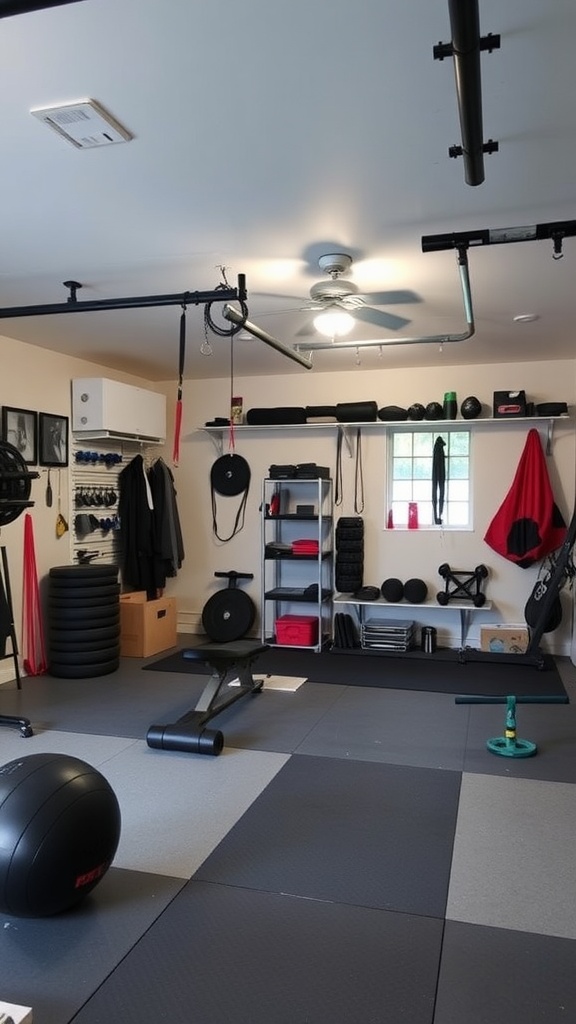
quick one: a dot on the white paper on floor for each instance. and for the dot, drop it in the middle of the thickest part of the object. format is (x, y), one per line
(287, 683)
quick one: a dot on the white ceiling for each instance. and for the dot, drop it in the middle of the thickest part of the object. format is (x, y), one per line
(266, 134)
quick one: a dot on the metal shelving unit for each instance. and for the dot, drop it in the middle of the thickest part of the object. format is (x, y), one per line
(292, 583)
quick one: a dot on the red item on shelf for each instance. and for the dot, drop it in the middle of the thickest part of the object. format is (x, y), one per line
(297, 630)
(305, 547)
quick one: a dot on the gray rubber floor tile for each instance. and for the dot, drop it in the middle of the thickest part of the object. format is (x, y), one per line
(513, 865)
(396, 726)
(221, 955)
(55, 964)
(347, 831)
(491, 974)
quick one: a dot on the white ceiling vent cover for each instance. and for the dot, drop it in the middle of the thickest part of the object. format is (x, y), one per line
(85, 124)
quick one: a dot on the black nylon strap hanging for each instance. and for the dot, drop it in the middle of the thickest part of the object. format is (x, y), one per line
(181, 361)
(338, 482)
(438, 479)
(358, 476)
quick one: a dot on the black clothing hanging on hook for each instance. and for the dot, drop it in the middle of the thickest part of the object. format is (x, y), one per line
(438, 479)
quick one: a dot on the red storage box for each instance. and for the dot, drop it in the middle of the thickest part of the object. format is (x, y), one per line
(297, 630)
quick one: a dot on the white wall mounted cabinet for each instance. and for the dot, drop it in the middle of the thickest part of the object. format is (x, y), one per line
(108, 408)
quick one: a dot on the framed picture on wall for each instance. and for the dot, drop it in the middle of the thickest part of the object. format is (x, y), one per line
(53, 439)
(20, 429)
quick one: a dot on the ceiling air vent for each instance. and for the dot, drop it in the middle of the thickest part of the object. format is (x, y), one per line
(85, 124)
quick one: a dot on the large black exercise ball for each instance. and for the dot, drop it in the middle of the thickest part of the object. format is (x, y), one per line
(471, 408)
(392, 590)
(415, 591)
(59, 831)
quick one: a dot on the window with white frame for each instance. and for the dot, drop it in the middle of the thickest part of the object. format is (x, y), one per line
(410, 475)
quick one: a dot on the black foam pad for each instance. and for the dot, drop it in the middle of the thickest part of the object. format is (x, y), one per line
(281, 414)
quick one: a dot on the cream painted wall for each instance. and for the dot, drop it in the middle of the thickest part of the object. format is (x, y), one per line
(36, 379)
(387, 553)
(33, 378)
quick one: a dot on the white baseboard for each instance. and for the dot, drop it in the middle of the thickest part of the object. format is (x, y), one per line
(189, 622)
(7, 674)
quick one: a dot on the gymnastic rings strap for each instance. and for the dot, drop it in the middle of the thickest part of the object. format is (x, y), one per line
(358, 476)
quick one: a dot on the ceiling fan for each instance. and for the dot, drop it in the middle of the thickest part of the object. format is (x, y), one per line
(339, 304)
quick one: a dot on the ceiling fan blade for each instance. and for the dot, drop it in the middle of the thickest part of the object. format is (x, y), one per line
(307, 331)
(305, 308)
(380, 318)
(401, 297)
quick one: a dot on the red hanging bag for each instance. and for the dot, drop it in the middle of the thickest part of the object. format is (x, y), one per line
(528, 525)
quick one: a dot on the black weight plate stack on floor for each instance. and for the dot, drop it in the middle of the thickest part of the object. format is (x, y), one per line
(83, 621)
(349, 567)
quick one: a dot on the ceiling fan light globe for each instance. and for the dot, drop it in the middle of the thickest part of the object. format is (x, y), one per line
(334, 324)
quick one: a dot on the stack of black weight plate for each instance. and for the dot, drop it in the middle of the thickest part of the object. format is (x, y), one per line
(349, 566)
(83, 621)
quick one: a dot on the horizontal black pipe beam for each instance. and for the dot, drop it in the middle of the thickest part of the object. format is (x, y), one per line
(10, 7)
(499, 236)
(134, 302)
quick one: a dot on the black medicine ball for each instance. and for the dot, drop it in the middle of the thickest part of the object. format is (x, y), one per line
(392, 590)
(415, 591)
(471, 408)
(434, 411)
(416, 411)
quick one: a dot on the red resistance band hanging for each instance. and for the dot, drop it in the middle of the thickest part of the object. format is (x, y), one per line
(178, 414)
(34, 653)
(528, 525)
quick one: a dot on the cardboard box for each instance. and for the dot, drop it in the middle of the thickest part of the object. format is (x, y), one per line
(504, 639)
(146, 627)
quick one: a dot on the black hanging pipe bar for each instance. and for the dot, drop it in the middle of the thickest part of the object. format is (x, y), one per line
(556, 231)
(10, 7)
(134, 302)
(465, 49)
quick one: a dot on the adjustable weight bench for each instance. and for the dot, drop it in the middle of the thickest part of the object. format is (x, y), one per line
(228, 661)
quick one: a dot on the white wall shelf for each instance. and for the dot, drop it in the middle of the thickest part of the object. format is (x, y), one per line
(465, 608)
(219, 433)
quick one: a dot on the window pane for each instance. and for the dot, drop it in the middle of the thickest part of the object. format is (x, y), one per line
(457, 468)
(402, 444)
(458, 490)
(422, 469)
(400, 513)
(423, 444)
(422, 490)
(459, 443)
(402, 491)
(457, 513)
(402, 469)
(410, 458)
